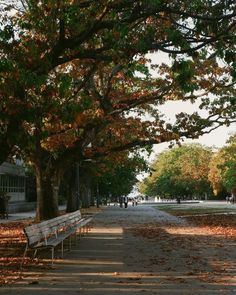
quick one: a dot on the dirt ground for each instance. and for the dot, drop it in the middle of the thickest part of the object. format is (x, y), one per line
(139, 250)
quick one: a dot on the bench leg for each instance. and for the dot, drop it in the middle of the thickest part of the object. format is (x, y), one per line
(70, 243)
(22, 261)
(79, 233)
(62, 249)
(52, 256)
(75, 238)
(35, 252)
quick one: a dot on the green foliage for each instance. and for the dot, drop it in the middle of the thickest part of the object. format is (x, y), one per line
(183, 71)
(64, 84)
(176, 37)
(222, 168)
(222, 173)
(6, 65)
(46, 45)
(120, 179)
(229, 177)
(155, 3)
(181, 171)
(51, 43)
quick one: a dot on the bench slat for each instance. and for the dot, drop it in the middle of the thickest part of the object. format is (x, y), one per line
(50, 233)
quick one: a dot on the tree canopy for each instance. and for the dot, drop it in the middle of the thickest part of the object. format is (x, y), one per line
(68, 69)
(120, 176)
(75, 82)
(180, 172)
(222, 168)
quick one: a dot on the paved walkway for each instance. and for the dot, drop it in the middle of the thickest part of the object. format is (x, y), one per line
(115, 258)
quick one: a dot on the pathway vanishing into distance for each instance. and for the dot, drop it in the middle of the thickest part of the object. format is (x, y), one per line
(139, 250)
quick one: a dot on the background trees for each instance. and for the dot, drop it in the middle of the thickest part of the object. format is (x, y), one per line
(222, 168)
(193, 170)
(119, 177)
(75, 81)
(180, 172)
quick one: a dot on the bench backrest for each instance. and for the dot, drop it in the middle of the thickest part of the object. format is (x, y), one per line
(38, 232)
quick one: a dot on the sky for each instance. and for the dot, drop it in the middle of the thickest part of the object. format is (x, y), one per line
(216, 138)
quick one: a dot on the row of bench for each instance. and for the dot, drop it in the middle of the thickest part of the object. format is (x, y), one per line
(51, 233)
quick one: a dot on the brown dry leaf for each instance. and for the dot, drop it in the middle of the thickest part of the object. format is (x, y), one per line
(12, 243)
(34, 283)
(218, 224)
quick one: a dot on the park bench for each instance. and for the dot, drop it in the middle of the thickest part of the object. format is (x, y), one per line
(51, 233)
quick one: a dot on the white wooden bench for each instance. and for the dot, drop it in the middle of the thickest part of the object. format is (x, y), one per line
(51, 233)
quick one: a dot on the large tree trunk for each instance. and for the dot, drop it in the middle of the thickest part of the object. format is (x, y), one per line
(85, 196)
(47, 194)
(72, 200)
(85, 188)
(92, 197)
(71, 189)
(78, 190)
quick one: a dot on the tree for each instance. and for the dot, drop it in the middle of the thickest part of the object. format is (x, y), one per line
(182, 171)
(120, 176)
(106, 178)
(214, 176)
(222, 168)
(70, 92)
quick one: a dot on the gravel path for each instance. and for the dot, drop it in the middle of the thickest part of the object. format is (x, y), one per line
(138, 250)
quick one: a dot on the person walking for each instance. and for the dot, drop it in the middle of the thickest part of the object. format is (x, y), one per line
(121, 201)
(126, 201)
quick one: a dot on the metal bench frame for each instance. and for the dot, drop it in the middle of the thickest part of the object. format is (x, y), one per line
(51, 233)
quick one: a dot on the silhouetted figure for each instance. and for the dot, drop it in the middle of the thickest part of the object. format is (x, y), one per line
(126, 201)
(121, 201)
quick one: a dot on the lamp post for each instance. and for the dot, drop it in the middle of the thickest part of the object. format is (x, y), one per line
(77, 187)
(75, 88)
(97, 196)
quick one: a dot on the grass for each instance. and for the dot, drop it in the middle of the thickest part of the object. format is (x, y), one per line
(182, 210)
(217, 219)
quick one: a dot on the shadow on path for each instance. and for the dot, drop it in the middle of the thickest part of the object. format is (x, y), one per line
(138, 250)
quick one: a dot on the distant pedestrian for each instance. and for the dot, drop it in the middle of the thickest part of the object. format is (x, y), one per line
(126, 201)
(134, 202)
(121, 201)
(232, 199)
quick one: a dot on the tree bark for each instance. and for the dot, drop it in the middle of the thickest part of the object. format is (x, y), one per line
(72, 202)
(47, 194)
(85, 196)
(93, 196)
(70, 183)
